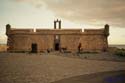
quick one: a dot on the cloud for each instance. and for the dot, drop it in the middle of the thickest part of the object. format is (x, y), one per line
(94, 12)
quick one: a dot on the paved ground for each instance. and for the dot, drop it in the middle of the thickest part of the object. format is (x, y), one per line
(37, 68)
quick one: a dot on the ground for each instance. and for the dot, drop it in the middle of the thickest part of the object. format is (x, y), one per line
(46, 68)
(101, 77)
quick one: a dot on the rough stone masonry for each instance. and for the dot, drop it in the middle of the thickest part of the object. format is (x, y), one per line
(40, 40)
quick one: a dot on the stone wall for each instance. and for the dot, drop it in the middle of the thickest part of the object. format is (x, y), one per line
(70, 42)
(24, 42)
(93, 43)
(92, 40)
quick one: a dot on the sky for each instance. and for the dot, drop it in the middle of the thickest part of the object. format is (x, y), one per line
(76, 14)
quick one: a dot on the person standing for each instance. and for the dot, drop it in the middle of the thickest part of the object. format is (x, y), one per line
(79, 47)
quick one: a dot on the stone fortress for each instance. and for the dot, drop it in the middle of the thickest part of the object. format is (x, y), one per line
(57, 39)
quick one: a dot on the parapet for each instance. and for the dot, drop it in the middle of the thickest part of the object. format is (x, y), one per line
(21, 30)
(59, 30)
(94, 30)
(102, 31)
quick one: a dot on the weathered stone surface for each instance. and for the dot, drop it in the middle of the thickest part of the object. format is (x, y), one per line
(92, 40)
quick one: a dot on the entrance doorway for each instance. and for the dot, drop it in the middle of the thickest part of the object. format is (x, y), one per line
(34, 48)
(57, 46)
(57, 42)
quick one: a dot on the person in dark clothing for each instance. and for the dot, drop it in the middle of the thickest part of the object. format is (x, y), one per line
(79, 47)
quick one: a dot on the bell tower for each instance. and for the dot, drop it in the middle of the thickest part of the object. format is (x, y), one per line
(57, 22)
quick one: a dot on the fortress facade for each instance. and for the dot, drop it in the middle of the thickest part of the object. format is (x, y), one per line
(91, 40)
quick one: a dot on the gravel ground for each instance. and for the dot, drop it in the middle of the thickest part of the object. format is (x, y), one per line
(37, 68)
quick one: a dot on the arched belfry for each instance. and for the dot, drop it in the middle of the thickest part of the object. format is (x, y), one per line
(57, 22)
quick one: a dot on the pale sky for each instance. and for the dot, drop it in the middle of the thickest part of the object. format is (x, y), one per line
(79, 14)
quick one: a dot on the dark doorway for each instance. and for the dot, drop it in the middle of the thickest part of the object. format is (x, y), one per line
(34, 48)
(57, 42)
(57, 46)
